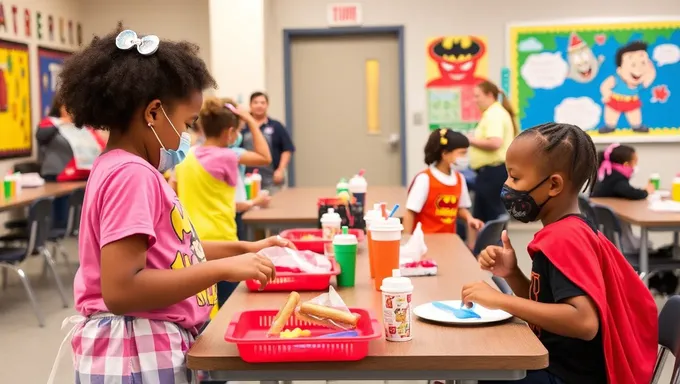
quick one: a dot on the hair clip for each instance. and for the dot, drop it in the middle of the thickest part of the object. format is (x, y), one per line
(442, 139)
(230, 107)
(147, 45)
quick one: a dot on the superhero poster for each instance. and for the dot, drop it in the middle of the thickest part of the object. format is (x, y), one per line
(618, 81)
(454, 65)
(15, 101)
(49, 65)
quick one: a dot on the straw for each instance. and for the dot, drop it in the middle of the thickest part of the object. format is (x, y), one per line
(383, 209)
(394, 210)
(361, 172)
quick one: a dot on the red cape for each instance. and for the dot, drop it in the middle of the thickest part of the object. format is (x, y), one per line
(628, 314)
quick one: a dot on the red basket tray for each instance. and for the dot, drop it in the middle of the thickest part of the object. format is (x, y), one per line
(317, 244)
(248, 330)
(289, 281)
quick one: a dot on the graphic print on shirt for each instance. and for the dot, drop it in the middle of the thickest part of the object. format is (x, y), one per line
(446, 208)
(534, 290)
(185, 231)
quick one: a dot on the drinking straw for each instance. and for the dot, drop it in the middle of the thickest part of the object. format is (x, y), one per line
(394, 210)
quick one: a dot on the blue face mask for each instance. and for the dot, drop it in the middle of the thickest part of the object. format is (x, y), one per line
(172, 157)
(237, 143)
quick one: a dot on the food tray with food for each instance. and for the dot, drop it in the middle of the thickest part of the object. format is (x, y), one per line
(312, 239)
(294, 281)
(308, 333)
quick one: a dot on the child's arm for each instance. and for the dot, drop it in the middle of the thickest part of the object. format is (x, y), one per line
(409, 221)
(215, 250)
(261, 154)
(624, 190)
(128, 286)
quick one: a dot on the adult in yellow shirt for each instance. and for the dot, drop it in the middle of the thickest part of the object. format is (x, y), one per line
(488, 145)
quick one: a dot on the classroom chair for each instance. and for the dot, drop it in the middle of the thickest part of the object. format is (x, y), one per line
(12, 257)
(610, 226)
(490, 234)
(25, 167)
(587, 209)
(669, 339)
(57, 235)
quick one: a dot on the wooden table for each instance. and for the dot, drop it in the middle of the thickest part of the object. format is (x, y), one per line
(296, 207)
(637, 212)
(502, 351)
(29, 195)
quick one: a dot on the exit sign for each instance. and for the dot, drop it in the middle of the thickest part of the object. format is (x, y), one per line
(344, 15)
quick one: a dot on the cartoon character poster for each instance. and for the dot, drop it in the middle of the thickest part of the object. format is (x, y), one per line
(454, 65)
(15, 101)
(49, 65)
(618, 81)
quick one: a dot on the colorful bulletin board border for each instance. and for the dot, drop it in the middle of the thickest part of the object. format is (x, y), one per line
(15, 101)
(618, 79)
(454, 64)
(50, 62)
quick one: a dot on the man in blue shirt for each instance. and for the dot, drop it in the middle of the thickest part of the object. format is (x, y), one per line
(280, 144)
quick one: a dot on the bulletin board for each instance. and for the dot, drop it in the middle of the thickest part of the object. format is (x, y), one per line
(617, 80)
(50, 62)
(454, 65)
(15, 100)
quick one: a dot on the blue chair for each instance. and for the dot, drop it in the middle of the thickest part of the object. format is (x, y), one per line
(669, 338)
(490, 234)
(39, 223)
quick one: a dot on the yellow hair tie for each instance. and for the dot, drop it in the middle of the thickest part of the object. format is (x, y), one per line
(443, 140)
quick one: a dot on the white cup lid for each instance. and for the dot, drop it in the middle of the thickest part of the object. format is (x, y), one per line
(396, 283)
(345, 239)
(389, 224)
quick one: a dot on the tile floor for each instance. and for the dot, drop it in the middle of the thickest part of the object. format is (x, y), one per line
(29, 351)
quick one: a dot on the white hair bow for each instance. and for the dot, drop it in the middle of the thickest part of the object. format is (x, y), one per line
(147, 45)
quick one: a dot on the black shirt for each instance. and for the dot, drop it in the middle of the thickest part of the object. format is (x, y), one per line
(616, 184)
(277, 137)
(572, 360)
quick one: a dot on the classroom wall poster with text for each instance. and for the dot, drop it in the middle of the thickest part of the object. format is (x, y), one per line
(454, 64)
(619, 81)
(15, 100)
(50, 62)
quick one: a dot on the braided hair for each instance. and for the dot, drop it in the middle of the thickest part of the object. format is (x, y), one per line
(568, 149)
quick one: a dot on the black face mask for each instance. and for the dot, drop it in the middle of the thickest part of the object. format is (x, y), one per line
(520, 205)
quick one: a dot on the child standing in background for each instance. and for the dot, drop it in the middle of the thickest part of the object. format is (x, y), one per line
(583, 300)
(618, 163)
(146, 284)
(439, 195)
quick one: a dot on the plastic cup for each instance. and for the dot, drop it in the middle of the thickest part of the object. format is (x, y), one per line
(396, 306)
(655, 180)
(385, 239)
(345, 249)
(368, 219)
(7, 187)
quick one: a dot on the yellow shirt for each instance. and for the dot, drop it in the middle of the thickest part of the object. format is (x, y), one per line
(211, 203)
(495, 122)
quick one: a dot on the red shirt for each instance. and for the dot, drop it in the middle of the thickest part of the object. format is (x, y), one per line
(440, 210)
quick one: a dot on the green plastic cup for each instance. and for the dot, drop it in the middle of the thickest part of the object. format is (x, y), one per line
(7, 186)
(345, 249)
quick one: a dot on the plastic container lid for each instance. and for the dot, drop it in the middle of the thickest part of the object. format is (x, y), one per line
(256, 175)
(345, 238)
(396, 283)
(358, 184)
(389, 224)
(342, 184)
(331, 217)
(655, 176)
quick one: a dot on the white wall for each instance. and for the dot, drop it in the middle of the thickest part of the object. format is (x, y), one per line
(429, 18)
(67, 9)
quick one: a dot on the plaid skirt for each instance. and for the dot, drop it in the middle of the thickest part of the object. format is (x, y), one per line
(126, 350)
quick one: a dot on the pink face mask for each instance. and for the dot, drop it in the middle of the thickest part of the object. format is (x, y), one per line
(607, 166)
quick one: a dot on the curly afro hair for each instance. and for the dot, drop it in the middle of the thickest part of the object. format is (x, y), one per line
(103, 86)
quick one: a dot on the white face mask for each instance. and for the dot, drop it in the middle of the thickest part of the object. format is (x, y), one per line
(461, 163)
(635, 170)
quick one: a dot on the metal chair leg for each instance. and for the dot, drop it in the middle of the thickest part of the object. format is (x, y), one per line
(57, 279)
(29, 291)
(65, 255)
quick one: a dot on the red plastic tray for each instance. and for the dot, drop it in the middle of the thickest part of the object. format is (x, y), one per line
(315, 245)
(289, 281)
(248, 330)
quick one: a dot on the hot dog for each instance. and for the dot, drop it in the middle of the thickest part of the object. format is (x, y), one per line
(284, 314)
(310, 312)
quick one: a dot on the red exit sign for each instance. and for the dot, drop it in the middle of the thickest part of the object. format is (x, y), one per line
(344, 14)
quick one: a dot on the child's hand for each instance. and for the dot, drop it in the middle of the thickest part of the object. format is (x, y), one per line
(481, 293)
(249, 266)
(262, 200)
(475, 224)
(650, 188)
(501, 261)
(273, 241)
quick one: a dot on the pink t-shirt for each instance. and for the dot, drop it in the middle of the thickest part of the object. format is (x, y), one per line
(220, 163)
(126, 196)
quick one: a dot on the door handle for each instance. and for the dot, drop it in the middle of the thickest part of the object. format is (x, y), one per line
(394, 139)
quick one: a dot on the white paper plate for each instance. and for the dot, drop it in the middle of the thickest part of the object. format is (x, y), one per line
(429, 312)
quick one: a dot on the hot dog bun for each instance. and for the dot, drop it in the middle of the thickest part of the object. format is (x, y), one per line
(321, 312)
(284, 314)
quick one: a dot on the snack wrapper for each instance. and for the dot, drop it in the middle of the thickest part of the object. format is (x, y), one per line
(329, 300)
(290, 260)
(415, 247)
